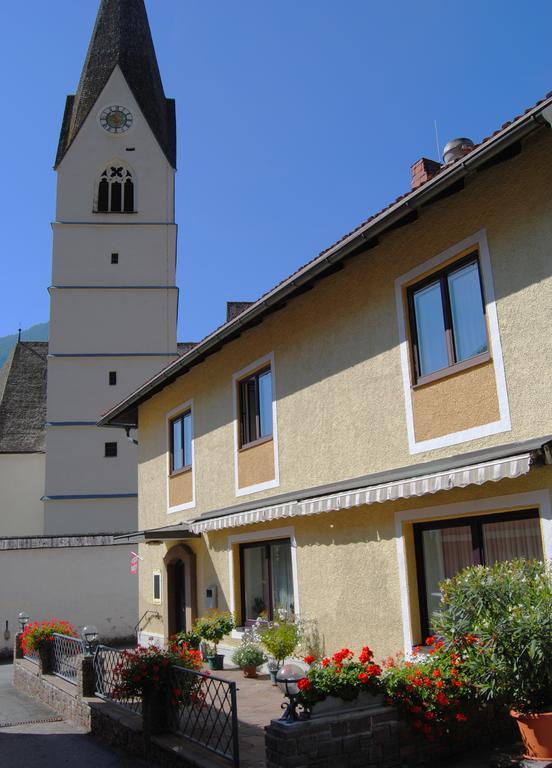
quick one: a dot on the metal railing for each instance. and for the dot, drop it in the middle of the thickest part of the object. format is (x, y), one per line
(65, 652)
(105, 662)
(203, 709)
(32, 656)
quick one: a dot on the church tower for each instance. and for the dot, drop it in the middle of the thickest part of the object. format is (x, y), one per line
(113, 299)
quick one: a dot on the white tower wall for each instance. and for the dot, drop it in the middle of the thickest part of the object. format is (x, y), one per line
(105, 317)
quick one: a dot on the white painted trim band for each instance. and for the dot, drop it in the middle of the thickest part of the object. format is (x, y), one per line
(476, 474)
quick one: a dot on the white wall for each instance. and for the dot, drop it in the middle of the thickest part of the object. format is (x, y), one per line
(21, 488)
(84, 516)
(85, 585)
(83, 254)
(79, 389)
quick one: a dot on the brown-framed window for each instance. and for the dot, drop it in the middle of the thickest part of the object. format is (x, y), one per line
(255, 395)
(447, 320)
(445, 547)
(181, 442)
(266, 580)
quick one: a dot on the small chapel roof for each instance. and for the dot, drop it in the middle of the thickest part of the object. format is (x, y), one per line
(23, 398)
(122, 36)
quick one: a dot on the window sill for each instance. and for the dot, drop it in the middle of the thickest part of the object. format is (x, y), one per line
(444, 373)
(182, 471)
(115, 213)
(255, 443)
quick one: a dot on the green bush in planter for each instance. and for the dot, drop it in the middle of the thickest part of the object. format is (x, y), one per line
(501, 616)
(213, 627)
(281, 638)
(249, 655)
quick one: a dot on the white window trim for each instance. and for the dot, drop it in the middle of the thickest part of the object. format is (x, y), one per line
(156, 572)
(189, 405)
(265, 535)
(236, 377)
(498, 504)
(479, 240)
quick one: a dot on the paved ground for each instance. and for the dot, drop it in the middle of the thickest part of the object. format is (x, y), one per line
(38, 739)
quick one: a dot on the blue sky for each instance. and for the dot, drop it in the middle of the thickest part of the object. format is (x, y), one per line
(297, 119)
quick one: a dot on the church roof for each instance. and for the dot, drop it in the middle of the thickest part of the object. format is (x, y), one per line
(23, 398)
(122, 36)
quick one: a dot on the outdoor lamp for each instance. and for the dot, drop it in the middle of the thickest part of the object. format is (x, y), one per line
(23, 620)
(287, 678)
(90, 635)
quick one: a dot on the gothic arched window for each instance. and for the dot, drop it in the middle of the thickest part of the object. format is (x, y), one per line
(115, 190)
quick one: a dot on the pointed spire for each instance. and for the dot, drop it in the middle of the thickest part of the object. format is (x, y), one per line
(122, 36)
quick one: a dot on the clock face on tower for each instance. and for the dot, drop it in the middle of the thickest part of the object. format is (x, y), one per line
(116, 119)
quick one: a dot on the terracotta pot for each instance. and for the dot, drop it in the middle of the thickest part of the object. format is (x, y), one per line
(536, 733)
(250, 671)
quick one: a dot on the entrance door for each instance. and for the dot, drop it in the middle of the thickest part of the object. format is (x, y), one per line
(179, 596)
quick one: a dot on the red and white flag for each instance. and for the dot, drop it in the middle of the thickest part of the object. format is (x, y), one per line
(134, 563)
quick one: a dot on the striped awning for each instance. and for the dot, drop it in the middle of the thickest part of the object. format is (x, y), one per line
(475, 474)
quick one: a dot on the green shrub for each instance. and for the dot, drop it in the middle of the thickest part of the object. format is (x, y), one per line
(213, 627)
(281, 638)
(249, 655)
(501, 615)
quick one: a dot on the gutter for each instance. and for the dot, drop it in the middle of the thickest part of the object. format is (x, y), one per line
(336, 253)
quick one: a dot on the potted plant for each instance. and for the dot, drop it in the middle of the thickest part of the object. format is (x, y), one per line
(248, 657)
(280, 638)
(501, 617)
(332, 683)
(38, 636)
(212, 628)
(145, 673)
(192, 639)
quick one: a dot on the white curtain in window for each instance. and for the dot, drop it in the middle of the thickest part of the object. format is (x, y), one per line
(509, 539)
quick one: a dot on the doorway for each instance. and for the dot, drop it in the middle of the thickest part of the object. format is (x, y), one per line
(181, 599)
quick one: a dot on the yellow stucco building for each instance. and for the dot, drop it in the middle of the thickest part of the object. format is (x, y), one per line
(373, 424)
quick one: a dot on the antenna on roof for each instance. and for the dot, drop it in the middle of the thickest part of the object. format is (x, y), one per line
(19, 333)
(437, 141)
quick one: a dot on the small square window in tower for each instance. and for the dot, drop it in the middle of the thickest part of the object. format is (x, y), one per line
(114, 258)
(112, 378)
(110, 450)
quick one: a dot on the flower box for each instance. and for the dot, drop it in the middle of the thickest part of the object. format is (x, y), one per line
(331, 705)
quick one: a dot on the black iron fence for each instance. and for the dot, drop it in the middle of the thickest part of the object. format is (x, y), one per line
(203, 709)
(105, 662)
(65, 651)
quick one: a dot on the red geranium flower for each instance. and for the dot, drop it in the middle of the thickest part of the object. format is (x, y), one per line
(304, 684)
(309, 659)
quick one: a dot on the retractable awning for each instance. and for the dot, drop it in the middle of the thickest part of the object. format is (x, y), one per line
(474, 474)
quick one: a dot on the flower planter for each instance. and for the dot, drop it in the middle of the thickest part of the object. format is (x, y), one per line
(154, 711)
(536, 733)
(334, 706)
(45, 657)
(250, 671)
(216, 661)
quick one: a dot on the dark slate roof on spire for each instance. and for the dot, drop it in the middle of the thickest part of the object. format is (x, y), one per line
(122, 36)
(23, 398)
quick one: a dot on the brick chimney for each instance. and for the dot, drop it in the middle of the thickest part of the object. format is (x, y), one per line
(424, 170)
(235, 308)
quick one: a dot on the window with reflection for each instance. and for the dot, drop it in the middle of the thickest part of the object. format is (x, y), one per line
(266, 580)
(181, 442)
(255, 394)
(447, 319)
(445, 547)
(115, 191)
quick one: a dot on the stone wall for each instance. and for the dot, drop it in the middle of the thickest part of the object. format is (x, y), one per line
(368, 738)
